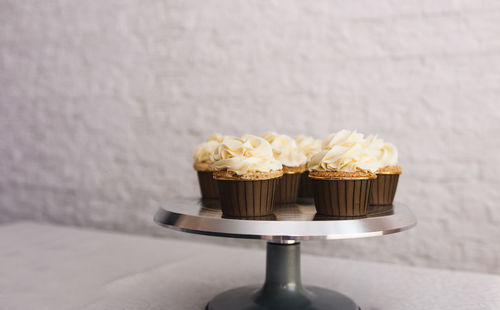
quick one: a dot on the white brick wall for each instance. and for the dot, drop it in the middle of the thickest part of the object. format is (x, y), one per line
(102, 102)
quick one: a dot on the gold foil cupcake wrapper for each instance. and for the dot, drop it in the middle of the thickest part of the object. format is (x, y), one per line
(387, 172)
(293, 172)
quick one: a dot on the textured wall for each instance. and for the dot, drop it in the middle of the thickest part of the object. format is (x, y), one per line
(102, 102)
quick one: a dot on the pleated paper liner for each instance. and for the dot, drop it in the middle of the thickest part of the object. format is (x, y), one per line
(321, 217)
(288, 188)
(384, 189)
(342, 197)
(270, 217)
(373, 211)
(305, 186)
(247, 198)
(208, 186)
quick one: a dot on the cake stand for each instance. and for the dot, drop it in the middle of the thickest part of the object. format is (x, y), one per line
(290, 224)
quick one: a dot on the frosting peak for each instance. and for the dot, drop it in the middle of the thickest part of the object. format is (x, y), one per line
(243, 155)
(344, 137)
(216, 136)
(204, 153)
(345, 151)
(386, 153)
(347, 159)
(285, 149)
(308, 145)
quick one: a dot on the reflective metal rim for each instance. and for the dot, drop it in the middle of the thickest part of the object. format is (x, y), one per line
(288, 231)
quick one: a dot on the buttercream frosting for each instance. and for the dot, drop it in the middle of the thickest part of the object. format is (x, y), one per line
(385, 152)
(244, 155)
(216, 136)
(203, 155)
(344, 137)
(285, 149)
(345, 151)
(308, 145)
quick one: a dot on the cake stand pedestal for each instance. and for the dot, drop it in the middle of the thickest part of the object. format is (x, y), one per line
(290, 224)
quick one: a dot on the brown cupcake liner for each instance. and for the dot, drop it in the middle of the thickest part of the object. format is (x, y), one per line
(269, 217)
(305, 186)
(245, 198)
(208, 186)
(321, 217)
(384, 189)
(342, 198)
(288, 188)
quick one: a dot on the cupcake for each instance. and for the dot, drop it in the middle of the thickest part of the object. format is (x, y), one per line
(308, 146)
(294, 164)
(342, 175)
(384, 187)
(203, 163)
(247, 176)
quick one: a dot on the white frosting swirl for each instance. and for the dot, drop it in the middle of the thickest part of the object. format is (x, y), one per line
(204, 152)
(344, 137)
(308, 145)
(341, 158)
(285, 149)
(386, 153)
(216, 136)
(345, 151)
(245, 155)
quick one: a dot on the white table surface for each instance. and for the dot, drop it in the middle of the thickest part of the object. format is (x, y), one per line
(50, 267)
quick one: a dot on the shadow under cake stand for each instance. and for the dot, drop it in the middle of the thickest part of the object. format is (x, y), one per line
(290, 224)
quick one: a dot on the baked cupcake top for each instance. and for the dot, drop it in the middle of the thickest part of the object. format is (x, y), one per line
(308, 145)
(203, 155)
(386, 154)
(345, 151)
(285, 150)
(248, 157)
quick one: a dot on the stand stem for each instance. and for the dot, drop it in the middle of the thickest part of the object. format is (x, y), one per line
(283, 266)
(283, 288)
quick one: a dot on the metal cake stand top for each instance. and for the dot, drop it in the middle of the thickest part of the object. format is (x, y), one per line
(289, 223)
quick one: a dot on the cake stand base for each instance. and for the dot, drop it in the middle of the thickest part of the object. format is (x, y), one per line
(283, 288)
(312, 298)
